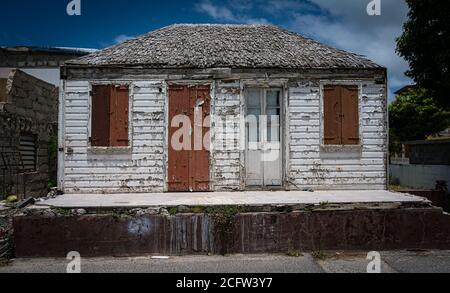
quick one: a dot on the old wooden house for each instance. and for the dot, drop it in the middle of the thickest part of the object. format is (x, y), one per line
(172, 110)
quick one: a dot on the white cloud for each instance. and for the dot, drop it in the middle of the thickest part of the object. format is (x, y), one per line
(122, 38)
(229, 12)
(340, 23)
(216, 12)
(347, 26)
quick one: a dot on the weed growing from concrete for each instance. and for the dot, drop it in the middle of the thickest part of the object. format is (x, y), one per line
(318, 254)
(294, 253)
(224, 218)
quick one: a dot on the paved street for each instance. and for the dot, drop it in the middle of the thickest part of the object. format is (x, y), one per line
(333, 262)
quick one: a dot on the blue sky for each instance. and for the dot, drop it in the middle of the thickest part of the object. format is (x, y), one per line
(340, 23)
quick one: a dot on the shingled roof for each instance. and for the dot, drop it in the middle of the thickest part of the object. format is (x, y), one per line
(235, 46)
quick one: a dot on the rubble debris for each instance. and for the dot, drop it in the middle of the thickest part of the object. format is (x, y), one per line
(25, 203)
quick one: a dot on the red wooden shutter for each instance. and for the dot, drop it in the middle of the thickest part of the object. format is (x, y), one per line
(350, 115)
(332, 113)
(119, 116)
(100, 116)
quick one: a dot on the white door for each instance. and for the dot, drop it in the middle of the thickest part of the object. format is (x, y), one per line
(264, 151)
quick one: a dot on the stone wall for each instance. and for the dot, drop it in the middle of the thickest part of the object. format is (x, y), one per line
(31, 109)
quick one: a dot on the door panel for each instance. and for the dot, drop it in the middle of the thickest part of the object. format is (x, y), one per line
(178, 165)
(188, 169)
(200, 104)
(272, 151)
(264, 152)
(253, 158)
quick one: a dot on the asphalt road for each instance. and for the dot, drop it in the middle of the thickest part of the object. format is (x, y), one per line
(333, 262)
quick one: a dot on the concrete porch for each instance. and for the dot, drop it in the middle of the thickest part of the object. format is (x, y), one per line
(251, 198)
(229, 223)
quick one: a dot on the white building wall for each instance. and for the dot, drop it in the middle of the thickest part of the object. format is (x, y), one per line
(142, 168)
(226, 150)
(313, 165)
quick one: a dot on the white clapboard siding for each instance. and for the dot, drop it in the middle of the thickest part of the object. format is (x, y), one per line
(226, 173)
(142, 169)
(311, 166)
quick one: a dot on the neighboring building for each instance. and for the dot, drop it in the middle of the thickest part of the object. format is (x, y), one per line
(405, 89)
(40, 62)
(29, 81)
(422, 164)
(130, 114)
(28, 115)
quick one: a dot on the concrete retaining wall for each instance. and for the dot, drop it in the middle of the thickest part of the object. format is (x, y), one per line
(182, 234)
(419, 176)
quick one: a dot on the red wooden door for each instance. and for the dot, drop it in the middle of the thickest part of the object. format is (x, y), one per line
(188, 167)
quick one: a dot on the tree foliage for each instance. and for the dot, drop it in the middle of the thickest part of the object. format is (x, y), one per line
(415, 115)
(425, 44)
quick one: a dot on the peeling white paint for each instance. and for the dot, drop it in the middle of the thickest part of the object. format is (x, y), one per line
(308, 164)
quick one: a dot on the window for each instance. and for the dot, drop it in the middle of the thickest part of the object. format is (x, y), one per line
(264, 112)
(341, 115)
(28, 153)
(109, 116)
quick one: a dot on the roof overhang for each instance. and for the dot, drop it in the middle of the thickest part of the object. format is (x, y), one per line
(77, 71)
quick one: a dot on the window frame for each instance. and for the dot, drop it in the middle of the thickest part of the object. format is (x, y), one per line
(111, 149)
(263, 133)
(359, 85)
